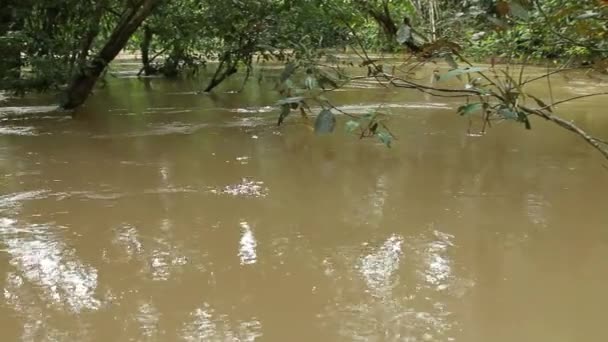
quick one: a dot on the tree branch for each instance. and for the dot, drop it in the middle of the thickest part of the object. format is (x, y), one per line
(575, 98)
(595, 142)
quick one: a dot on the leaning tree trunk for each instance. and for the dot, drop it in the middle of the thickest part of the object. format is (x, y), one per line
(227, 67)
(86, 77)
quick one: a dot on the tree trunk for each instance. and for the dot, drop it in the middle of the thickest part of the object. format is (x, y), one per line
(382, 17)
(79, 57)
(10, 50)
(145, 51)
(92, 32)
(171, 65)
(225, 69)
(85, 78)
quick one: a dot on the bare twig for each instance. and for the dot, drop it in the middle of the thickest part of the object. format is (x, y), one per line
(593, 141)
(332, 106)
(499, 93)
(550, 87)
(596, 143)
(575, 98)
(521, 72)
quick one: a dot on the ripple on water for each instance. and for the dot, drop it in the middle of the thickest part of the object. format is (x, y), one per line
(160, 257)
(148, 318)
(363, 85)
(26, 110)
(42, 259)
(244, 160)
(438, 270)
(265, 109)
(89, 195)
(173, 128)
(362, 109)
(536, 209)
(252, 121)
(379, 267)
(167, 110)
(583, 88)
(170, 128)
(246, 188)
(207, 325)
(127, 237)
(15, 199)
(18, 130)
(398, 300)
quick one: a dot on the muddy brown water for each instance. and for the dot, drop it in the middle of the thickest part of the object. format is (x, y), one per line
(165, 215)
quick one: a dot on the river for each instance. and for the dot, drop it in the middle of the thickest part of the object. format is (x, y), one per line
(160, 214)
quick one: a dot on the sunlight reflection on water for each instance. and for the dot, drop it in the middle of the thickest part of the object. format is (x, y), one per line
(247, 188)
(405, 281)
(379, 267)
(207, 325)
(248, 245)
(41, 258)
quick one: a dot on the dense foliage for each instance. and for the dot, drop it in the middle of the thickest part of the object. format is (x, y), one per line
(67, 45)
(44, 42)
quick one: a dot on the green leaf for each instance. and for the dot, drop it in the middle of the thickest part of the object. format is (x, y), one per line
(460, 71)
(285, 110)
(508, 113)
(325, 122)
(511, 114)
(524, 118)
(310, 82)
(352, 125)
(470, 108)
(385, 138)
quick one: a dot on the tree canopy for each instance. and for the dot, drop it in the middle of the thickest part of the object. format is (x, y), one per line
(66, 47)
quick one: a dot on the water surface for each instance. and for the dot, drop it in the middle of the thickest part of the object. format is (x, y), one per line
(164, 215)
